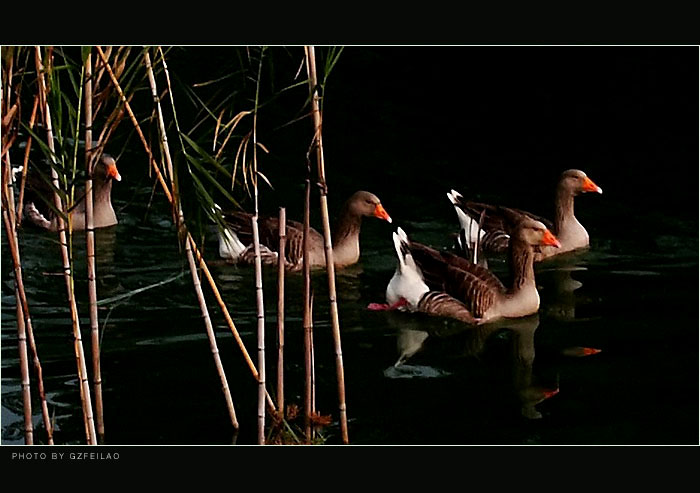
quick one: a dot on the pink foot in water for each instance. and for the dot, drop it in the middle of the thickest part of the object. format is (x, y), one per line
(579, 351)
(550, 393)
(386, 306)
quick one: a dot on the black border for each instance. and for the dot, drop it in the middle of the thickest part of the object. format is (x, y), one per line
(371, 24)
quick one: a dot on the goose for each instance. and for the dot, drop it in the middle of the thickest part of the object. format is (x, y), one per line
(235, 243)
(40, 214)
(493, 236)
(442, 283)
(408, 291)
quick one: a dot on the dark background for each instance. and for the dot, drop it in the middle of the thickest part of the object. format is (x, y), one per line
(484, 118)
(502, 121)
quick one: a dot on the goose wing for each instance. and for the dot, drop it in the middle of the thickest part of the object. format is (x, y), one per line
(477, 287)
(268, 230)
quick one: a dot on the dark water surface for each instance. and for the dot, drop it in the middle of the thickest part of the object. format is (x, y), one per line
(633, 295)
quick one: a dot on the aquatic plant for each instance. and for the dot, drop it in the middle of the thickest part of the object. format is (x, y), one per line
(80, 97)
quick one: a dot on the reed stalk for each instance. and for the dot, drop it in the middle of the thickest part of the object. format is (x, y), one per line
(23, 316)
(8, 211)
(188, 249)
(24, 370)
(261, 330)
(307, 320)
(25, 163)
(22, 347)
(312, 357)
(67, 270)
(280, 310)
(37, 370)
(258, 272)
(327, 243)
(210, 332)
(21, 325)
(90, 240)
(197, 253)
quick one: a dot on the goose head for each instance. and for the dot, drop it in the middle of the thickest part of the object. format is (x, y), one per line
(535, 234)
(575, 181)
(367, 204)
(106, 169)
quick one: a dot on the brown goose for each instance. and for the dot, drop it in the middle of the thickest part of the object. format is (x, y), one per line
(38, 192)
(493, 236)
(235, 245)
(441, 283)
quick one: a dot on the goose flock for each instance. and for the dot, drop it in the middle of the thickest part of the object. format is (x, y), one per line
(455, 284)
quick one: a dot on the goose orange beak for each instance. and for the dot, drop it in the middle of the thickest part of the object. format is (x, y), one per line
(381, 213)
(113, 172)
(589, 186)
(550, 239)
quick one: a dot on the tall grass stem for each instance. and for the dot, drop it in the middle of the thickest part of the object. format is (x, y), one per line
(280, 309)
(327, 242)
(67, 270)
(91, 268)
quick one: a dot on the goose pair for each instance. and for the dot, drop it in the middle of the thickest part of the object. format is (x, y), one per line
(444, 284)
(40, 214)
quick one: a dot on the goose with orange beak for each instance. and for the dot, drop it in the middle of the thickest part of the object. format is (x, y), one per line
(235, 242)
(39, 192)
(444, 284)
(493, 236)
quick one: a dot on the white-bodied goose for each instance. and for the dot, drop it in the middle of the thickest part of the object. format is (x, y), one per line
(38, 193)
(235, 245)
(493, 235)
(441, 283)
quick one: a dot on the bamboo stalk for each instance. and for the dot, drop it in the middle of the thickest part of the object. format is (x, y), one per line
(200, 258)
(188, 249)
(90, 240)
(67, 271)
(280, 310)
(327, 243)
(23, 315)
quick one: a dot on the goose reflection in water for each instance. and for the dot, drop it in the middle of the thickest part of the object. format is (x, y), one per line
(411, 339)
(560, 290)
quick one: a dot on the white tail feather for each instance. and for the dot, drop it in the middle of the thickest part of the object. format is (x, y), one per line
(230, 247)
(454, 196)
(466, 222)
(407, 282)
